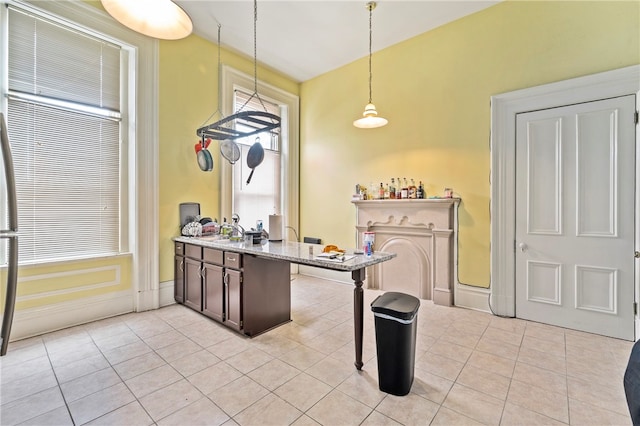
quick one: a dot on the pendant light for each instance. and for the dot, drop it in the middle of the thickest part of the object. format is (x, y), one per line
(155, 18)
(370, 119)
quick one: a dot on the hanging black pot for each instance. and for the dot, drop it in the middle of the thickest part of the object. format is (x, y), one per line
(254, 157)
(205, 160)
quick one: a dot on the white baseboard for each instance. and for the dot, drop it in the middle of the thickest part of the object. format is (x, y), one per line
(476, 298)
(466, 296)
(166, 293)
(43, 319)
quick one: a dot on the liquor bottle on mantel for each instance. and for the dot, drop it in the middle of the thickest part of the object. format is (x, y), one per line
(413, 190)
(420, 194)
(399, 190)
(405, 189)
(381, 192)
(392, 189)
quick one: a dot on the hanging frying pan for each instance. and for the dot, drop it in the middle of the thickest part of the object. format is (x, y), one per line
(254, 157)
(205, 160)
(229, 150)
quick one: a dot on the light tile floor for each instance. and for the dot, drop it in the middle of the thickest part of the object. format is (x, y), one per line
(173, 366)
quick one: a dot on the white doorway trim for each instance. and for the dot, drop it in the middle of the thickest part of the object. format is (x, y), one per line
(504, 107)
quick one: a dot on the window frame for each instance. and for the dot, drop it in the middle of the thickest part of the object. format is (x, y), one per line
(75, 108)
(140, 207)
(232, 80)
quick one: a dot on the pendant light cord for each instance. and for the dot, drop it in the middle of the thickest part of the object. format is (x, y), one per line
(370, 6)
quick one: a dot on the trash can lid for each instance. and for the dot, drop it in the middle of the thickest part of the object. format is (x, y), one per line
(397, 305)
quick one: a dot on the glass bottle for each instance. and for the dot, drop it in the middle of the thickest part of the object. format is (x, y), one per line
(405, 189)
(386, 191)
(420, 194)
(381, 192)
(392, 189)
(399, 190)
(412, 190)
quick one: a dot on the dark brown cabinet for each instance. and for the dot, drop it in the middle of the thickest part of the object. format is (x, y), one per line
(233, 305)
(192, 284)
(246, 293)
(178, 277)
(266, 294)
(213, 290)
(213, 284)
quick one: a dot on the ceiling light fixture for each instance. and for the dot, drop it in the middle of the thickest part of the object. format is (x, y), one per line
(155, 18)
(370, 119)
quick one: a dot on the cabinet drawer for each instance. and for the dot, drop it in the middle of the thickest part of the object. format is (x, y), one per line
(232, 260)
(214, 256)
(179, 249)
(193, 251)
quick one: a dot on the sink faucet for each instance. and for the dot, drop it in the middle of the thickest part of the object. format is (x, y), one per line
(235, 219)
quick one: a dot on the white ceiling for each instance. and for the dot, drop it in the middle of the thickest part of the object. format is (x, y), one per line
(303, 39)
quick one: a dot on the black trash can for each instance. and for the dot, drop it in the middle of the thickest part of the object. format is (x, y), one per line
(395, 317)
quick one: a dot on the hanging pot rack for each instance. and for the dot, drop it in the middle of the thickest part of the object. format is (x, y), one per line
(257, 121)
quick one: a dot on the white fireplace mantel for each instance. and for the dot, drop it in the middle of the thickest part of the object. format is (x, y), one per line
(422, 233)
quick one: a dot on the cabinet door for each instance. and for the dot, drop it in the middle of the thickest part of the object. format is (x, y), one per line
(178, 279)
(213, 292)
(192, 284)
(233, 306)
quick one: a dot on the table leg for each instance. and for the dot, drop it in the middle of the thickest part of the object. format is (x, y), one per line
(358, 314)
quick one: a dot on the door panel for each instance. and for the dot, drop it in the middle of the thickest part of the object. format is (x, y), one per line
(213, 299)
(544, 169)
(192, 284)
(233, 281)
(575, 209)
(178, 279)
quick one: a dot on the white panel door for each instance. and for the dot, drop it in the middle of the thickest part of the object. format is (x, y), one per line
(575, 192)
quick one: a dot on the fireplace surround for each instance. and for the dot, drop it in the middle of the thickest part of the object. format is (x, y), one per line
(422, 232)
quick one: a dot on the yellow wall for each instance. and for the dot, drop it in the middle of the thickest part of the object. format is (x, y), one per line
(435, 91)
(188, 96)
(188, 79)
(47, 284)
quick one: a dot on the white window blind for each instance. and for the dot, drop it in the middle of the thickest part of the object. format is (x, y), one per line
(245, 102)
(63, 122)
(262, 196)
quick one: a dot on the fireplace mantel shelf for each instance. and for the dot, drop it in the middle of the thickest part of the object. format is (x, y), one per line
(434, 202)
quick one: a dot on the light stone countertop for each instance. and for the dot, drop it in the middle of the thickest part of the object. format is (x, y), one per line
(290, 251)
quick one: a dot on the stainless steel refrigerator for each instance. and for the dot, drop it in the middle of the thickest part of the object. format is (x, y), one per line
(11, 234)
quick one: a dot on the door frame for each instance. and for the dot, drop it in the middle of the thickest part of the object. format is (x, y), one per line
(504, 108)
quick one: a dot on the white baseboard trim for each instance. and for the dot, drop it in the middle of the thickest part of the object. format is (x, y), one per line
(166, 293)
(341, 277)
(466, 296)
(43, 319)
(476, 298)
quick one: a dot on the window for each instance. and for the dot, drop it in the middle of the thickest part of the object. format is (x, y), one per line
(64, 120)
(279, 169)
(261, 197)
